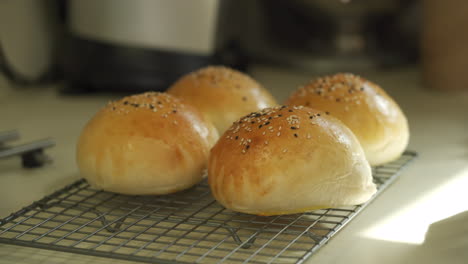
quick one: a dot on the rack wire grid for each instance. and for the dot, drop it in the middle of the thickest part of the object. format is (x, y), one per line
(185, 227)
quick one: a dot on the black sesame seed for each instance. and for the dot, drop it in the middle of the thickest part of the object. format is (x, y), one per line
(318, 114)
(151, 106)
(247, 147)
(282, 107)
(159, 102)
(362, 88)
(237, 137)
(338, 99)
(174, 111)
(295, 134)
(269, 118)
(267, 123)
(280, 115)
(125, 102)
(260, 126)
(311, 117)
(293, 128)
(327, 113)
(290, 110)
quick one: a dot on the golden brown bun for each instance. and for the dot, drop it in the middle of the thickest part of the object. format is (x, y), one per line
(287, 160)
(150, 143)
(222, 94)
(372, 115)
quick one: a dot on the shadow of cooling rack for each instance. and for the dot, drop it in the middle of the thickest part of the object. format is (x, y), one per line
(186, 227)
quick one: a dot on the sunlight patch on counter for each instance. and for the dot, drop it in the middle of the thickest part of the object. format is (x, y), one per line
(410, 224)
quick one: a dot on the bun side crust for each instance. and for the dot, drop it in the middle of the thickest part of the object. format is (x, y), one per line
(150, 143)
(373, 116)
(222, 94)
(288, 160)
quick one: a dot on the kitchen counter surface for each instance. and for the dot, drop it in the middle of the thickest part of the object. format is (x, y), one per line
(421, 218)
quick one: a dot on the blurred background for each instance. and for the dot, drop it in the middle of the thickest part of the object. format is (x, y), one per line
(138, 45)
(131, 46)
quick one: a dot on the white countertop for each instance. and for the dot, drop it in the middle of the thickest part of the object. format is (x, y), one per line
(421, 218)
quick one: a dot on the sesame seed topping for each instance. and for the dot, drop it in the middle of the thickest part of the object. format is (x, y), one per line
(262, 125)
(339, 88)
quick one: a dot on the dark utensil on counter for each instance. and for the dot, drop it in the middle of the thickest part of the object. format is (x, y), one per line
(32, 153)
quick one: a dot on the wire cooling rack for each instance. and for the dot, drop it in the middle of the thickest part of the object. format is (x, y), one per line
(186, 227)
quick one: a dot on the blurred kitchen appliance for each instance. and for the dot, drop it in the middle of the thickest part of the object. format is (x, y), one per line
(332, 35)
(28, 43)
(444, 45)
(139, 45)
